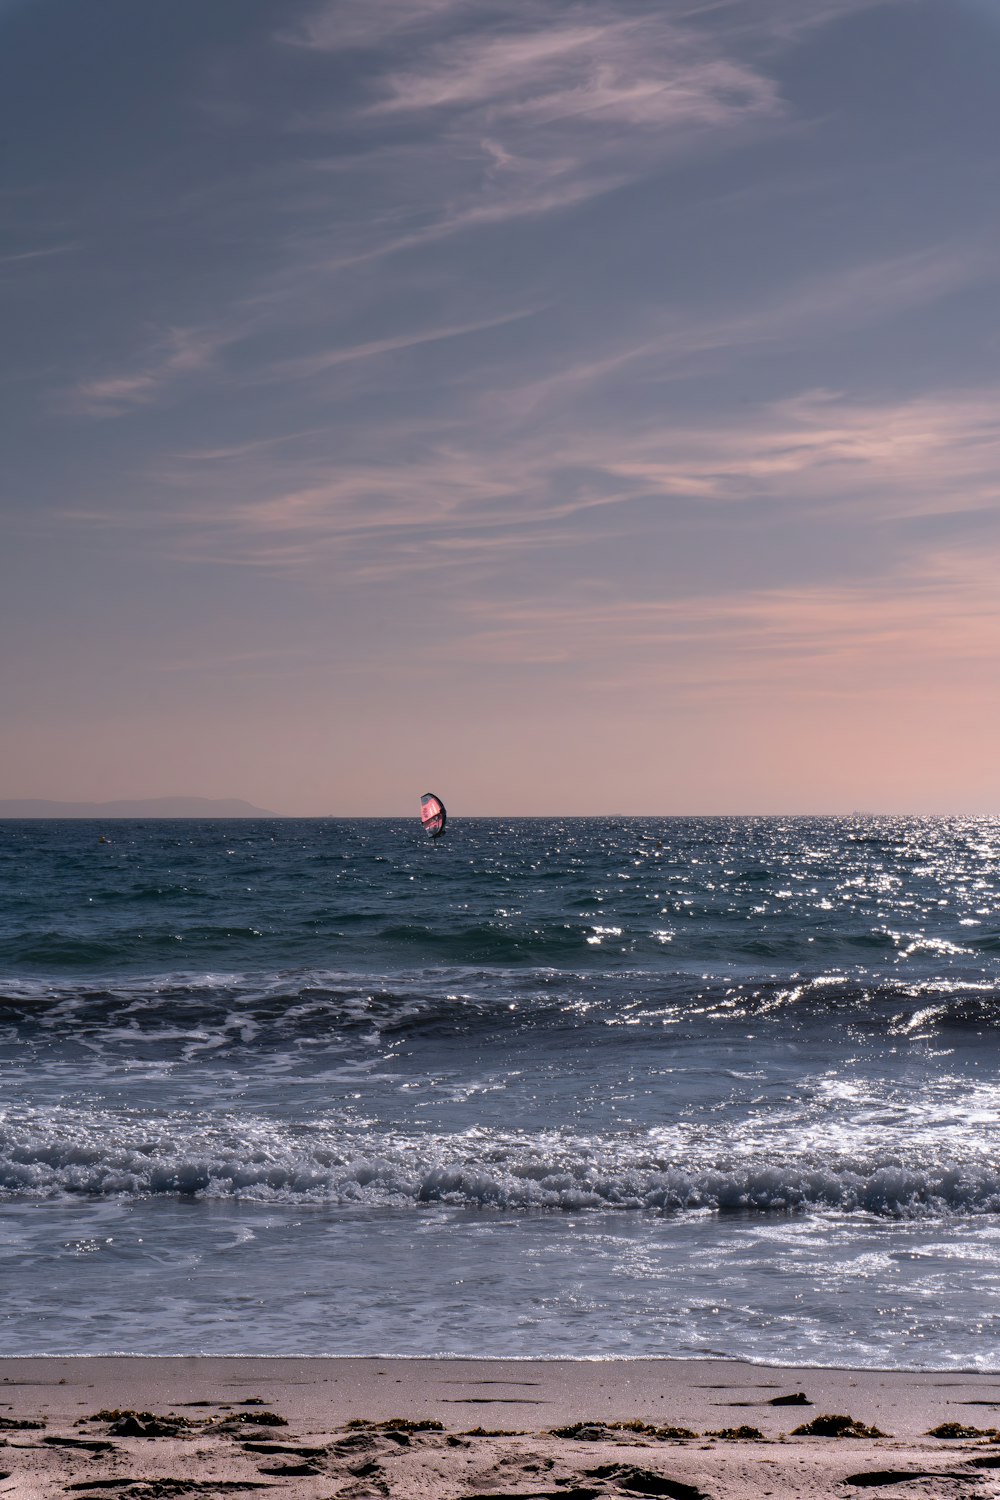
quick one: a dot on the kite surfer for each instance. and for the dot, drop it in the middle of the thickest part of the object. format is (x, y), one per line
(433, 815)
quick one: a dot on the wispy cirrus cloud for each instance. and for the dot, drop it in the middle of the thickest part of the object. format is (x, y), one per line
(29, 257)
(821, 638)
(530, 111)
(432, 502)
(335, 26)
(310, 365)
(620, 72)
(177, 353)
(931, 455)
(815, 309)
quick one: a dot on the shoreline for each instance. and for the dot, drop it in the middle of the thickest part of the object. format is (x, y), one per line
(709, 1360)
(143, 1427)
(415, 1387)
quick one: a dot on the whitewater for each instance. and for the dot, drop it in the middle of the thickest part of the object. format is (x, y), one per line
(547, 1087)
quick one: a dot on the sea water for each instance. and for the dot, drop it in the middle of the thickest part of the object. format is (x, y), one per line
(545, 1087)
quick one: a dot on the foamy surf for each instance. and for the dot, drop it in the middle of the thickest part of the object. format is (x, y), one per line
(85, 1154)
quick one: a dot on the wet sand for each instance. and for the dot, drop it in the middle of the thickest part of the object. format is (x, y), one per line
(445, 1429)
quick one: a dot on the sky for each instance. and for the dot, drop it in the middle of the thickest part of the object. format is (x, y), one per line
(567, 406)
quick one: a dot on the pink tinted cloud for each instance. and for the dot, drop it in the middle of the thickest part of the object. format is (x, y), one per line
(928, 455)
(568, 105)
(179, 352)
(310, 365)
(819, 306)
(940, 613)
(931, 455)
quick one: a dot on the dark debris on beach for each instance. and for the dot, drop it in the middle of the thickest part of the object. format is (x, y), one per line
(366, 1458)
(837, 1425)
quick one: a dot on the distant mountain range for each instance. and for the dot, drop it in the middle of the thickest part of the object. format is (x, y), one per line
(144, 807)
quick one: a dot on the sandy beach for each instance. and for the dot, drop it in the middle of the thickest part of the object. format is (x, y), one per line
(457, 1429)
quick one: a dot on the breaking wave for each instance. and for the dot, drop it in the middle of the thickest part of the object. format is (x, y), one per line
(71, 1153)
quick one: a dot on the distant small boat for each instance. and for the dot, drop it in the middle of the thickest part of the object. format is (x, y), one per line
(433, 814)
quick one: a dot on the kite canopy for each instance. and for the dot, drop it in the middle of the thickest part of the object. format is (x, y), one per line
(432, 814)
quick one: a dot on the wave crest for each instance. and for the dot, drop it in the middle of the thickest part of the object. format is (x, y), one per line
(102, 1156)
(310, 1006)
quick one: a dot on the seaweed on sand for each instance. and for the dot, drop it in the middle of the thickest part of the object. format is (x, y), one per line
(837, 1425)
(597, 1431)
(738, 1434)
(952, 1430)
(397, 1424)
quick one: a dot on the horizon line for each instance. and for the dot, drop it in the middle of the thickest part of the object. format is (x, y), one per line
(266, 816)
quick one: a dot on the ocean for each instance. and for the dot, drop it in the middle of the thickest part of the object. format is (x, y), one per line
(545, 1087)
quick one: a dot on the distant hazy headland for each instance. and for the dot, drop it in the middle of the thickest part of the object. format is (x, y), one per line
(145, 807)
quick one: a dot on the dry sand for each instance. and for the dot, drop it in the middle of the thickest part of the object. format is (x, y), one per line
(490, 1430)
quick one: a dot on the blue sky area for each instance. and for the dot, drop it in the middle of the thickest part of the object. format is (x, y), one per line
(571, 405)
